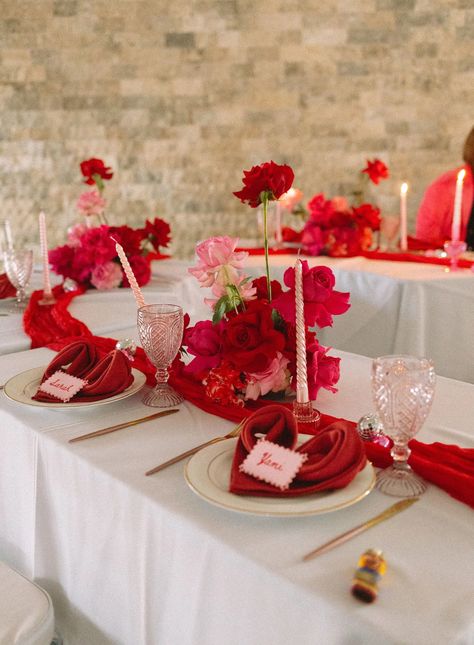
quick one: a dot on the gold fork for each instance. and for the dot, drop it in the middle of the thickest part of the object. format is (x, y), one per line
(230, 435)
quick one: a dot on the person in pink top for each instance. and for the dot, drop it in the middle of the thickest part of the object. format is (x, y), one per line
(435, 214)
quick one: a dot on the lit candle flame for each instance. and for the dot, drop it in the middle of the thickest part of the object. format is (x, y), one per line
(461, 175)
(404, 188)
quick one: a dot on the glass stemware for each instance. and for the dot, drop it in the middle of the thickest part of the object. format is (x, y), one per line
(389, 227)
(402, 388)
(160, 328)
(18, 266)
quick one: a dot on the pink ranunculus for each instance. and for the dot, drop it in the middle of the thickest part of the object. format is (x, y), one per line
(218, 261)
(106, 276)
(204, 341)
(321, 301)
(275, 378)
(323, 370)
(74, 234)
(91, 203)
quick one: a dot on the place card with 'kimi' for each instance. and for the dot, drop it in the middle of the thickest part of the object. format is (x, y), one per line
(62, 386)
(273, 464)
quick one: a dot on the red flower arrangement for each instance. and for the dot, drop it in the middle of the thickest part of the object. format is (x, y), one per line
(89, 258)
(334, 227)
(249, 348)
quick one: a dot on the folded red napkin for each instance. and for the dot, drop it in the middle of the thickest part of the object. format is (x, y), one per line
(7, 290)
(105, 377)
(335, 455)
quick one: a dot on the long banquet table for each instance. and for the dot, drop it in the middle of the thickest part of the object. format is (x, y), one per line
(398, 308)
(135, 559)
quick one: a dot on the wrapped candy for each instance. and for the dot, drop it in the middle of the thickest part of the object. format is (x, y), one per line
(371, 567)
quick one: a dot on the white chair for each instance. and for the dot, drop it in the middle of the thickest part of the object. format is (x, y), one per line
(26, 610)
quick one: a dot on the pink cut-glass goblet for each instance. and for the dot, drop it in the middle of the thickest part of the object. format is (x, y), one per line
(160, 328)
(403, 388)
(389, 228)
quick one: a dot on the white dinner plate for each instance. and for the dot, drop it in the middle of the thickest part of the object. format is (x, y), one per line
(207, 473)
(22, 387)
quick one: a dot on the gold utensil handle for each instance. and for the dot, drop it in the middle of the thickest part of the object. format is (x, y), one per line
(120, 426)
(340, 539)
(183, 455)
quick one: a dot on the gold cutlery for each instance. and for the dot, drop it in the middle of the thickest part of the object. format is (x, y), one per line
(385, 515)
(120, 426)
(230, 435)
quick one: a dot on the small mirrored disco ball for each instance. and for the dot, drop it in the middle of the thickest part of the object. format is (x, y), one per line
(128, 346)
(369, 427)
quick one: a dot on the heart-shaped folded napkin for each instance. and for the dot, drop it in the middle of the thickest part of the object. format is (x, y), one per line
(105, 377)
(335, 455)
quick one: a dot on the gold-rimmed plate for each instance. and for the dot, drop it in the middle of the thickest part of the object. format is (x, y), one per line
(207, 473)
(23, 386)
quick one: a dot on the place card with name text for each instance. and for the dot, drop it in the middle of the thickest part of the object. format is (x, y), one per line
(62, 386)
(273, 464)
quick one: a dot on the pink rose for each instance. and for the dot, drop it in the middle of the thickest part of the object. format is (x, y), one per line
(320, 299)
(323, 370)
(91, 203)
(218, 261)
(106, 276)
(204, 341)
(274, 378)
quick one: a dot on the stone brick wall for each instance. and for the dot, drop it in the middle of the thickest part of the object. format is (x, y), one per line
(179, 96)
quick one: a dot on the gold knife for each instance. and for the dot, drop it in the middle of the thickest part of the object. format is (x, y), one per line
(120, 426)
(385, 515)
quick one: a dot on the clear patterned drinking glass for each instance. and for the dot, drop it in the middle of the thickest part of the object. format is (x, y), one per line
(403, 388)
(18, 266)
(160, 329)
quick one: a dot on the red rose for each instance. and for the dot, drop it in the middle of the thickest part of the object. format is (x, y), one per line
(376, 170)
(367, 215)
(250, 341)
(321, 301)
(269, 178)
(260, 284)
(93, 167)
(158, 232)
(141, 270)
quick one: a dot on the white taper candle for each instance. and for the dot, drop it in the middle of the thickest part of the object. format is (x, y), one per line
(301, 369)
(403, 217)
(456, 225)
(47, 292)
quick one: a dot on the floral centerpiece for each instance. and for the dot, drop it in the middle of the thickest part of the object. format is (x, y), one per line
(89, 257)
(335, 227)
(248, 350)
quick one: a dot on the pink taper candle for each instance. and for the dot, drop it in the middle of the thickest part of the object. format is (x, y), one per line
(130, 275)
(47, 292)
(403, 217)
(301, 369)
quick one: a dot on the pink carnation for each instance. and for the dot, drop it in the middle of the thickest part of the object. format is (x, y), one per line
(74, 234)
(290, 199)
(218, 261)
(320, 299)
(340, 204)
(91, 203)
(106, 276)
(274, 379)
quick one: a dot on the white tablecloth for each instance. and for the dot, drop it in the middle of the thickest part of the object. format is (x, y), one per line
(135, 559)
(398, 308)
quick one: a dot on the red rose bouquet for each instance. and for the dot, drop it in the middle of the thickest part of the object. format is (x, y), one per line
(249, 348)
(89, 257)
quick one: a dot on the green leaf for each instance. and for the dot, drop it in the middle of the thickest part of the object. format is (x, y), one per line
(278, 322)
(220, 309)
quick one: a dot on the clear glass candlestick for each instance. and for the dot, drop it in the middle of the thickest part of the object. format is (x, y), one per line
(160, 329)
(18, 266)
(402, 388)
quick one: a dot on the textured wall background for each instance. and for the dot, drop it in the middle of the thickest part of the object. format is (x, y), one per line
(179, 96)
